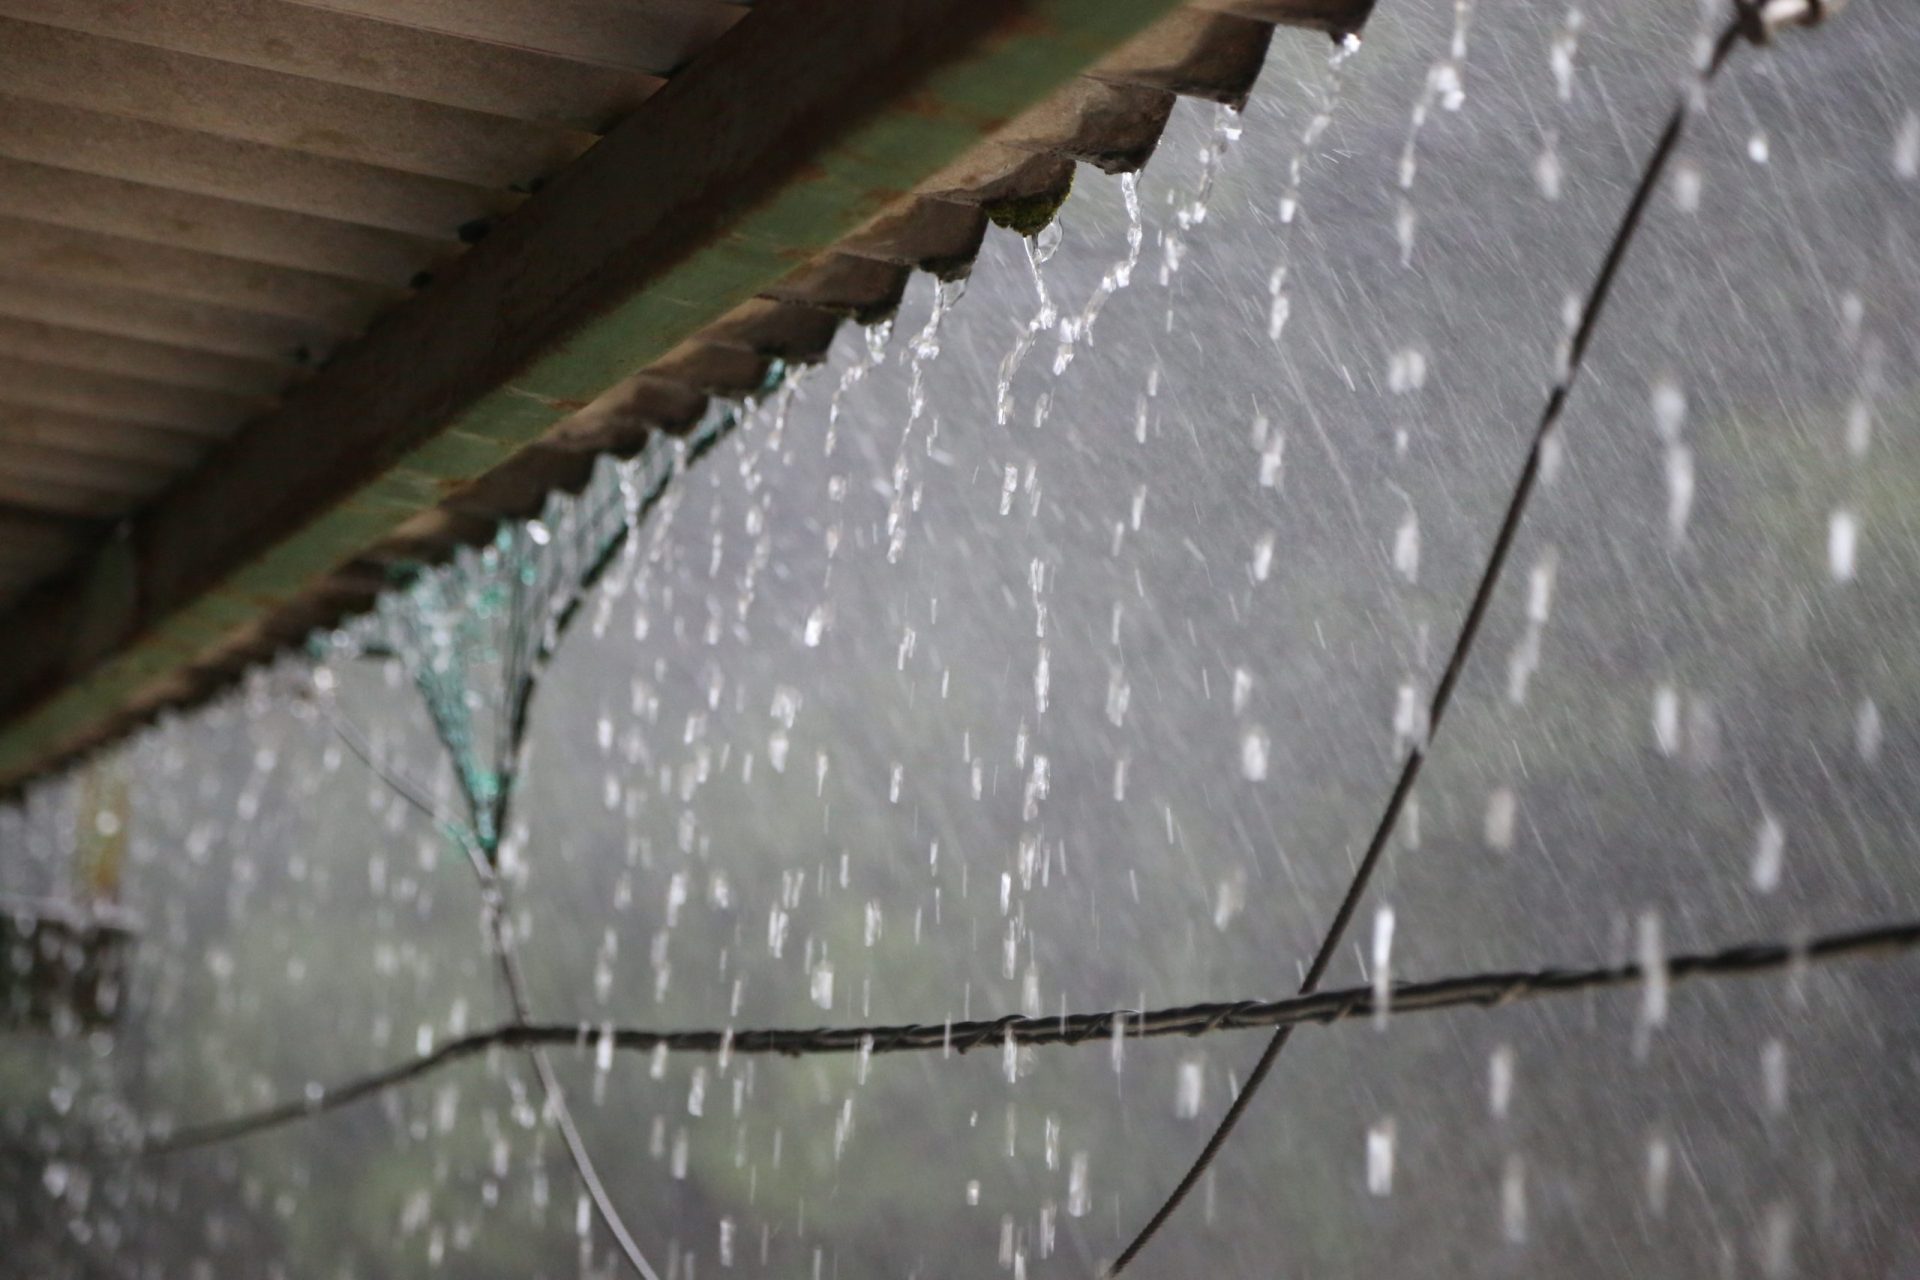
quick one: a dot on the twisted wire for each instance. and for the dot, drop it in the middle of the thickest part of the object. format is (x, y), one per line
(1483, 990)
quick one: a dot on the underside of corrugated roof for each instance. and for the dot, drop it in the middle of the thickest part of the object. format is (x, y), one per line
(206, 205)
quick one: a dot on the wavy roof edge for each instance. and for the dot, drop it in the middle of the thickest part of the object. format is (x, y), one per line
(532, 356)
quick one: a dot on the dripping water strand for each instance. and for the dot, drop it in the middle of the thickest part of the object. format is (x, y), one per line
(1075, 329)
(1039, 247)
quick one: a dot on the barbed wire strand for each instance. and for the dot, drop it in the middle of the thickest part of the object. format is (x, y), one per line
(1490, 989)
(1754, 20)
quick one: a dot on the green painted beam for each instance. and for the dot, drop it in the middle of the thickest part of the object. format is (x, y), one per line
(792, 131)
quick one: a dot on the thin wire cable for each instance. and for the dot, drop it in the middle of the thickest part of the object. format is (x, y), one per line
(556, 1098)
(499, 935)
(1752, 23)
(525, 662)
(360, 746)
(1482, 990)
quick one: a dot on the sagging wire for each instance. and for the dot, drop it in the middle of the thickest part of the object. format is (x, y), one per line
(1474, 990)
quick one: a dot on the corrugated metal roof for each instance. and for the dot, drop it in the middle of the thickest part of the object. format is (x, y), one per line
(202, 201)
(200, 198)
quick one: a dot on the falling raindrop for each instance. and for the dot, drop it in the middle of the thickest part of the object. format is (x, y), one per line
(1190, 1088)
(1843, 538)
(1547, 172)
(1773, 1077)
(1500, 1081)
(1254, 748)
(1079, 1194)
(1560, 55)
(1382, 965)
(1906, 146)
(1409, 720)
(1866, 730)
(1652, 956)
(1769, 854)
(1669, 409)
(1502, 807)
(1666, 720)
(1679, 492)
(1406, 548)
(1776, 1241)
(1687, 185)
(1380, 1144)
(1659, 1171)
(1513, 1200)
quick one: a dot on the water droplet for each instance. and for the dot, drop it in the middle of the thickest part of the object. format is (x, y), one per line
(1380, 1143)
(1272, 460)
(1047, 240)
(1406, 548)
(1906, 147)
(1407, 371)
(55, 1178)
(1659, 1172)
(1773, 1076)
(1669, 409)
(1502, 808)
(1867, 731)
(1566, 42)
(1652, 955)
(1383, 923)
(1547, 173)
(1229, 899)
(1079, 1196)
(1859, 428)
(1409, 720)
(1190, 1088)
(1263, 557)
(1540, 580)
(1769, 854)
(1254, 747)
(1666, 720)
(1757, 148)
(1500, 1081)
(1405, 222)
(1843, 543)
(1687, 185)
(1776, 1241)
(1679, 492)
(1513, 1200)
